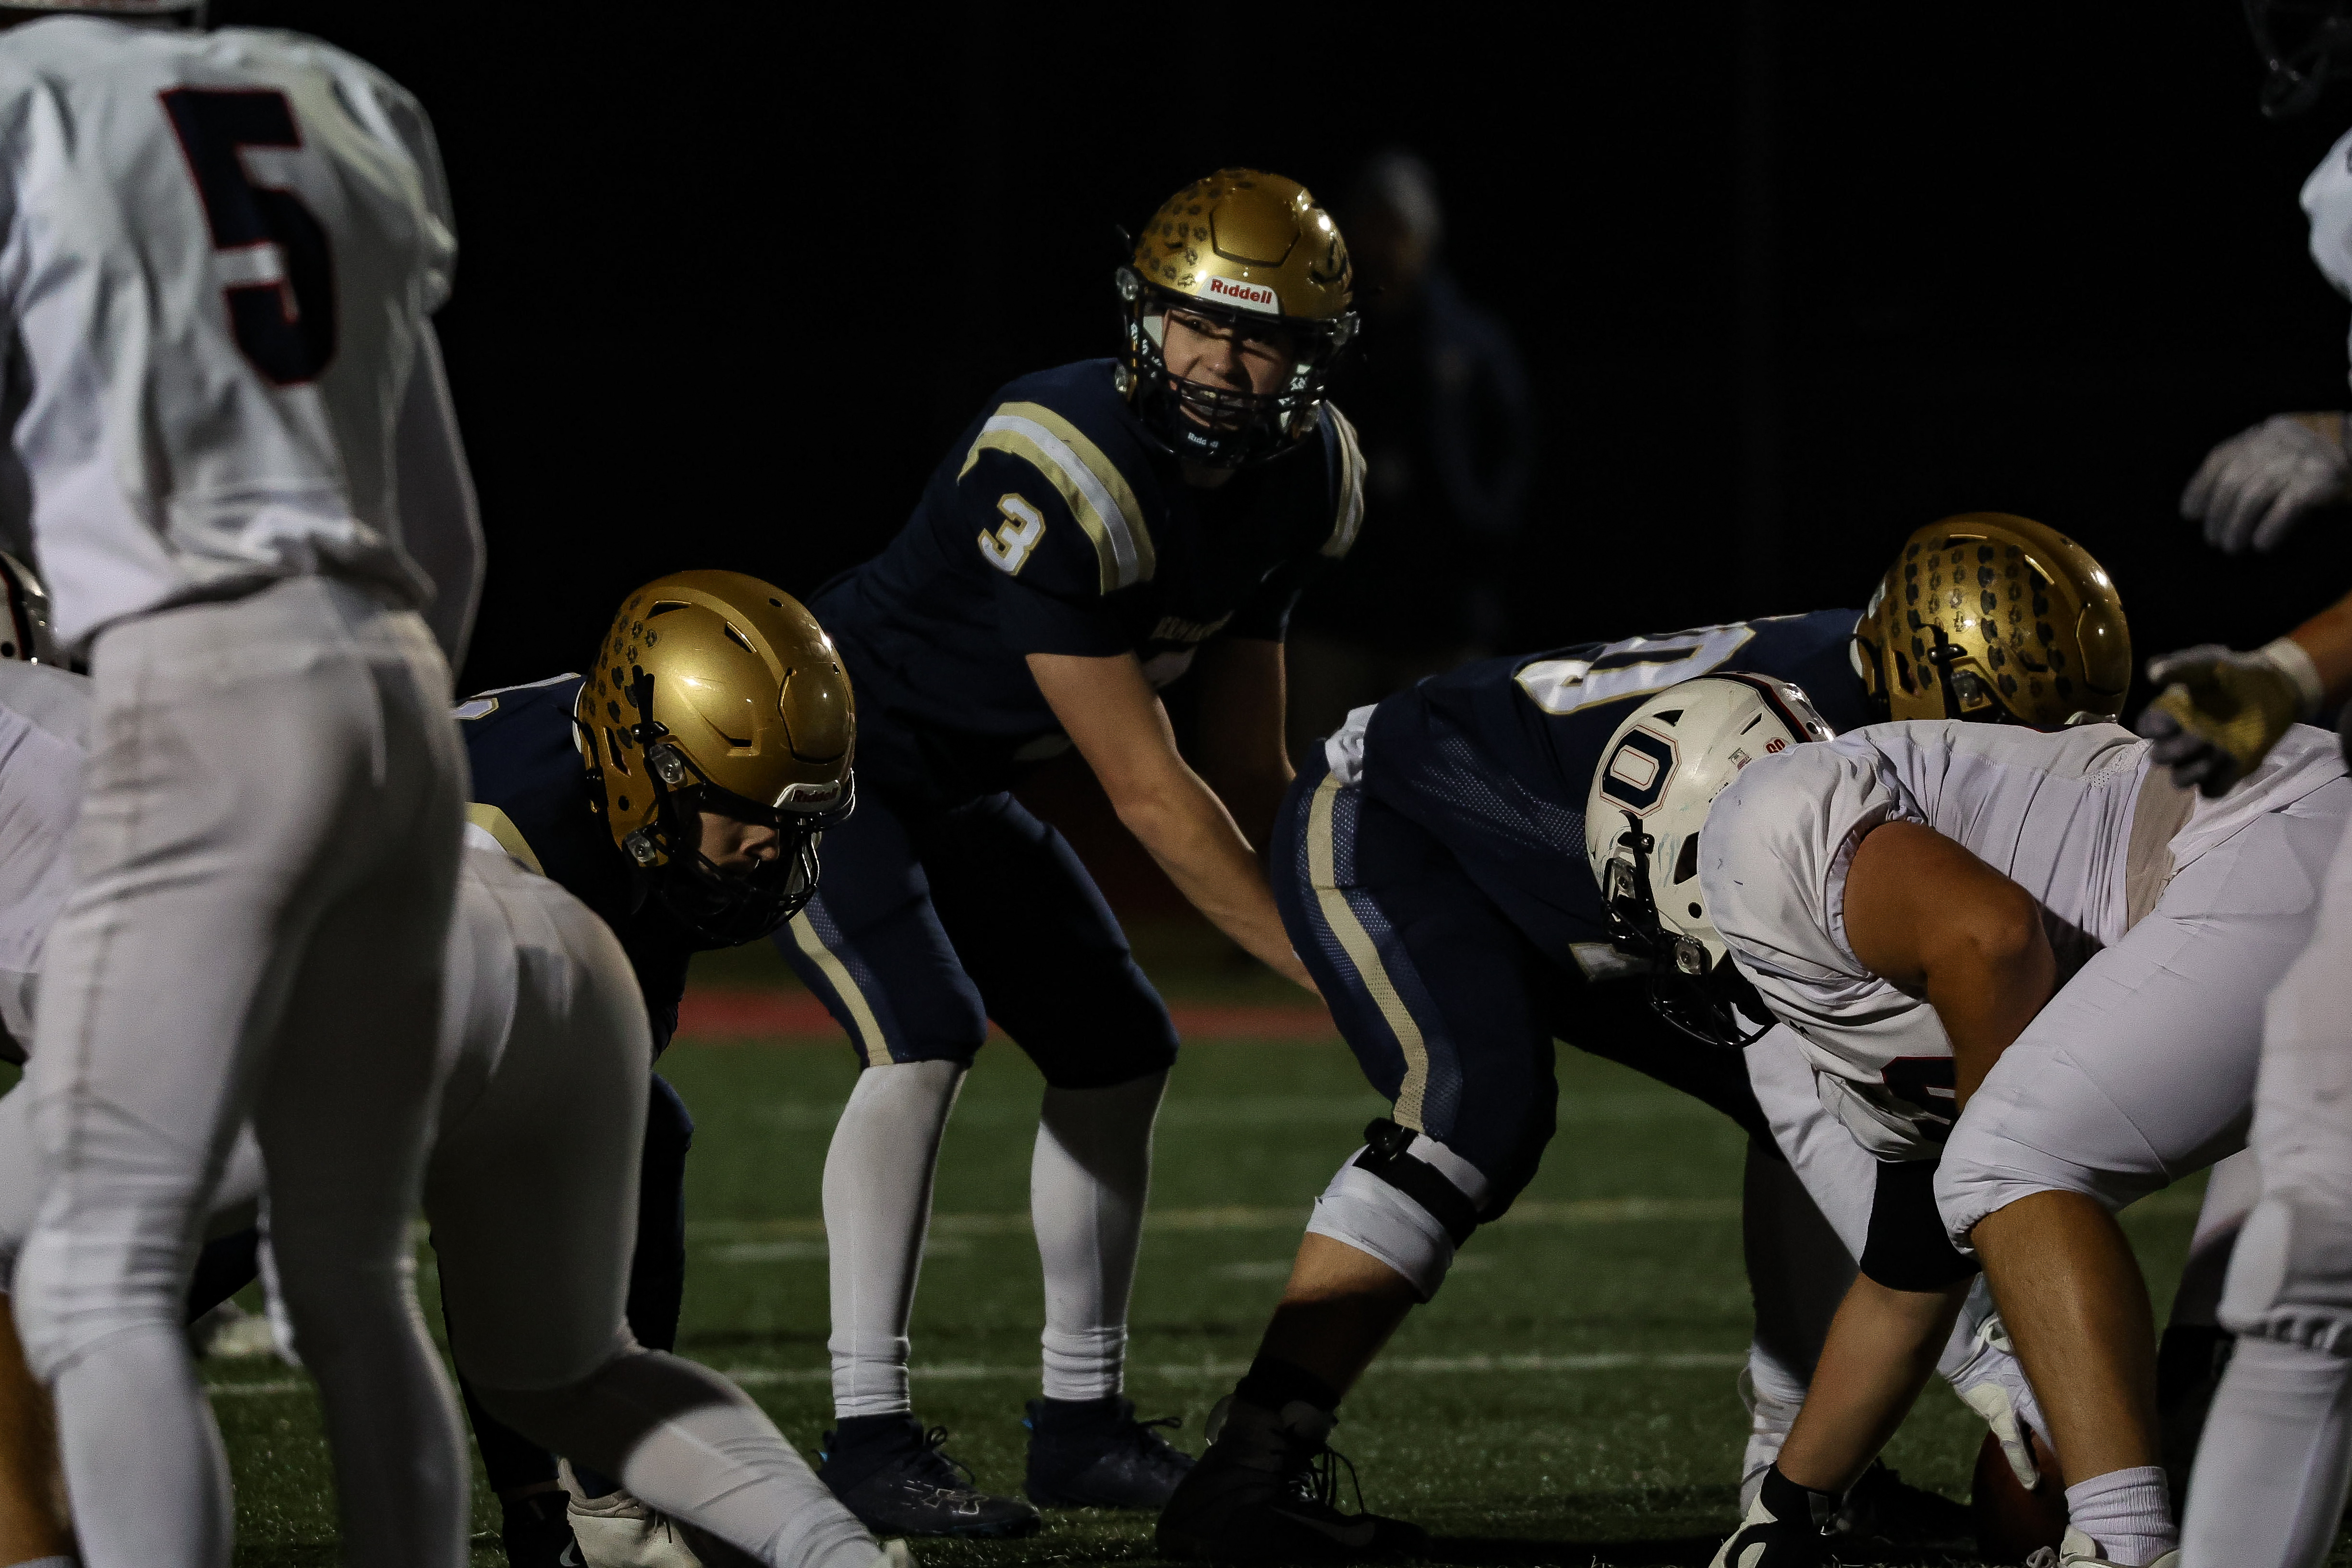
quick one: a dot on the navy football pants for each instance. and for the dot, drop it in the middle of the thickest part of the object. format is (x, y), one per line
(1449, 1007)
(927, 924)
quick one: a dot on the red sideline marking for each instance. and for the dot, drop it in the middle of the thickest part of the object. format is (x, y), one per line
(730, 1016)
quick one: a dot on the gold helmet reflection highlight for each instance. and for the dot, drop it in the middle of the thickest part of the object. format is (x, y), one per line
(1992, 617)
(714, 691)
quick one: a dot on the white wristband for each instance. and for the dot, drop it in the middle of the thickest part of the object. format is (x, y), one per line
(2286, 656)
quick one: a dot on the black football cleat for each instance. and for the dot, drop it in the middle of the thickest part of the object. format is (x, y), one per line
(535, 1530)
(1267, 1492)
(1094, 1453)
(1883, 1506)
(1786, 1527)
(890, 1473)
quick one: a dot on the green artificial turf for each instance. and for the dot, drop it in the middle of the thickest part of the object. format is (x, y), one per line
(1567, 1399)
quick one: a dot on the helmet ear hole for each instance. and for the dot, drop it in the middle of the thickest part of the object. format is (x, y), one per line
(1686, 866)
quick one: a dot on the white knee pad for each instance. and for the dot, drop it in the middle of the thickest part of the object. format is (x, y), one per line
(1376, 1216)
(2290, 1277)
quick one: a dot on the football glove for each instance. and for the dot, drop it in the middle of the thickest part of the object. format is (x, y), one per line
(2218, 712)
(1993, 1385)
(2257, 485)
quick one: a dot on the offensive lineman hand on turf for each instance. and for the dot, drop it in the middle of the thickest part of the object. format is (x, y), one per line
(2220, 712)
(2258, 485)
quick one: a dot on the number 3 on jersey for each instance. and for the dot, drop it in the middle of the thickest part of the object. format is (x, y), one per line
(285, 324)
(1007, 548)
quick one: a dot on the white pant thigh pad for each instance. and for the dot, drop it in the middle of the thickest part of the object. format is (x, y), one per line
(2141, 1070)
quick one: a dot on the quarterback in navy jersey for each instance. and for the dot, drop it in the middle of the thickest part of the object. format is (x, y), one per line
(1433, 871)
(1098, 531)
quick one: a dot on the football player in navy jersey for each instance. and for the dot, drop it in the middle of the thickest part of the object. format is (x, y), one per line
(1432, 874)
(1099, 529)
(679, 789)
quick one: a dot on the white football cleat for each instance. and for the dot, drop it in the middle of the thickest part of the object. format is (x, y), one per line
(2079, 1550)
(894, 1555)
(619, 1532)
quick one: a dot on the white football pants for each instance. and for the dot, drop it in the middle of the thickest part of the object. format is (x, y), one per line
(2140, 1071)
(2271, 1476)
(532, 1189)
(264, 872)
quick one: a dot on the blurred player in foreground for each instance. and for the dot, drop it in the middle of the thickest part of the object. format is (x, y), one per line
(531, 1186)
(1098, 529)
(244, 486)
(1434, 873)
(2269, 1484)
(2028, 972)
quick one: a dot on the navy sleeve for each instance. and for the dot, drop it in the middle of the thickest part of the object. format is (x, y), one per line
(1046, 568)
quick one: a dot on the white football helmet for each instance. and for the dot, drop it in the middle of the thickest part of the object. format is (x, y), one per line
(1658, 775)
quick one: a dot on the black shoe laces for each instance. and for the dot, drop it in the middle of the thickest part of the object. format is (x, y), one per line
(943, 1470)
(1317, 1481)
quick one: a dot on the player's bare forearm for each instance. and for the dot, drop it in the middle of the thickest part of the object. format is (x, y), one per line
(1925, 915)
(1881, 1349)
(1242, 750)
(2327, 638)
(1188, 832)
(1117, 722)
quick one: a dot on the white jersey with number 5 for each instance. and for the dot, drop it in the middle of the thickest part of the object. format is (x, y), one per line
(218, 252)
(2077, 818)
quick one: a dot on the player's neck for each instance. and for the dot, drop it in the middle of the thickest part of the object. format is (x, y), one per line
(1201, 477)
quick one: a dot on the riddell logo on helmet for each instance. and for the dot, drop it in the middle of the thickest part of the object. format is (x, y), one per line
(1249, 296)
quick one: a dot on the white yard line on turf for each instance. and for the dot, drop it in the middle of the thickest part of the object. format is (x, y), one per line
(977, 1371)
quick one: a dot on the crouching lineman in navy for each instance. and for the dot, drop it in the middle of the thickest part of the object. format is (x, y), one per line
(1097, 531)
(678, 789)
(1433, 872)
(530, 1185)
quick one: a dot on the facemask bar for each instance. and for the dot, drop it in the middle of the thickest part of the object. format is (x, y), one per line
(1702, 998)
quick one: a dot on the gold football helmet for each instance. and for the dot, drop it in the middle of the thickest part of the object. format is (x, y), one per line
(1255, 252)
(1993, 617)
(715, 692)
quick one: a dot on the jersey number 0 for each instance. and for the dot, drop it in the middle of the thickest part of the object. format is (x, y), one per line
(285, 325)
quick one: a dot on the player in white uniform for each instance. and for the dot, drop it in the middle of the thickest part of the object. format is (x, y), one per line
(531, 1187)
(2026, 953)
(2270, 1483)
(218, 254)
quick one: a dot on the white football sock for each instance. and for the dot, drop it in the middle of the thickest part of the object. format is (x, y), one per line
(686, 1442)
(878, 1209)
(2127, 1512)
(2271, 1474)
(1086, 1186)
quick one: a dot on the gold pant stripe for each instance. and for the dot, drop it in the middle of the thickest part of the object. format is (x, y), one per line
(1362, 952)
(870, 1043)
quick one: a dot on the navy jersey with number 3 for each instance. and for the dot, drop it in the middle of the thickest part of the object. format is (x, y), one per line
(1497, 758)
(1057, 524)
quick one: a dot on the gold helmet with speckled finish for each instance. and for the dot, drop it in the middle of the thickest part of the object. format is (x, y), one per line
(716, 692)
(1998, 618)
(1255, 252)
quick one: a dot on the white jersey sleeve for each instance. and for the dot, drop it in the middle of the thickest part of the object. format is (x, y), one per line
(2077, 818)
(1773, 859)
(217, 255)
